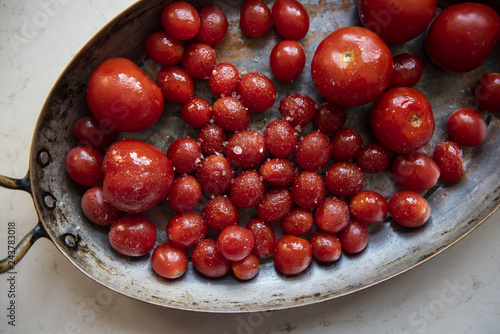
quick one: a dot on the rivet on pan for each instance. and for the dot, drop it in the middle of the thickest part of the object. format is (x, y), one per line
(44, 158)
(49, 201)
(70, 240)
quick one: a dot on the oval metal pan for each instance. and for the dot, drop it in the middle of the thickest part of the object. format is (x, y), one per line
(457, 208)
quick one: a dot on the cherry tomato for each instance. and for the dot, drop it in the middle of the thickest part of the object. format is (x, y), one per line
(275, 205)
(199, 61)
(332, 215)
(246, 268)
(220, 212)
(314, 151)
(245, 149)
(402, 120)
(96, 209)
(121, 95)
(344, 179)
(89, 131)
(298, 222)
(175, 83)
(137, 175)
(196, 112)
(287, 60)
(133, 235)
(169, 261)
(397, 21)
(346, 144)
(416, 171)
(164, 49)
(230, 114)
(330, 118)
(247, 189)
(264, 237)
(185, 155)
(290, 19)
(292, 255)
(181, 20)
(297, 109)
(467, 127)
(308, 189)
(487, 92)
(354, 237)
(278, 172)
(373, 158)
(215, 175)
(187, 229)
(326, 247)
(185, 194)
(409, 208)
(84, 165)
(211, 138)
(462, 36)
(235, 242)
(224, 79)
(255, 18)
(407, 70)
(257, 91)
(208, 260)
(281, 138)
(368, 207)
(448, 156)
(213, 25)
(357, 61)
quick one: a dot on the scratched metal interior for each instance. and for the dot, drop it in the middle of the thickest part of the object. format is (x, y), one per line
(457, 208)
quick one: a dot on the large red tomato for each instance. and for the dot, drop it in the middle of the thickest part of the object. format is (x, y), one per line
(351, 66)
(137, 175)
(462, 36)
(122, 97)
(397, 21)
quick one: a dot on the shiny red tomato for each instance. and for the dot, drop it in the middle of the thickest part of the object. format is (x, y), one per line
(351, 66)
(121, 95)
(181, 20)
(133, 235)
(397, 21)
(416, 171)
(290, 19)
(137, 175)
(287, 60)
(487, 92)
(462, 36)
(169, 261)
(292, 254)
(402, 120)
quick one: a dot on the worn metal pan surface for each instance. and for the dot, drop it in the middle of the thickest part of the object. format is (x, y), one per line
(457, 208)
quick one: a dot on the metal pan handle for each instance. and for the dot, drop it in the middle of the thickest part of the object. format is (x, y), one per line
(15, 254)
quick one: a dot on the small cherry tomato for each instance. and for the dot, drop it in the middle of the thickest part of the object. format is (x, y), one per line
(275, 205)
(397, 21)
(208, 260)
(213, 25)
(373, 158)
(290, 19)
(255, 18)
(215, 175)
(346, 144)
(462, 36)
(246, 268)
(164, 49)
(332, 215)
(344, 179)
(224, 79)
(245, 149)
(257, 91)
(230, 114)
(196, 112)
(89, 131)
(487, 92)
(467, 127)
(368, 207)
(181, 20)
(330, 118)
(292, 255)
(220, 212)
(235, 242)
(185, 194)
(298, 222)
(175, 83)
(357, 61)
(409, 208)
(187, 228)
(287, 60)
(96, 209)
(449, 158)
(308, 189)
(297, 109)
(84, 165)
(415, 171)
(122, 96)
(169, 261)
(407, 70)
(326, 247)
(133, 235)
(211, 138)
(314, 151)
(278, 172)
(354, 237)
(199, 61)
(402, 120)
(185, 155)
(264, 237)
(281, 138)
(247, 189)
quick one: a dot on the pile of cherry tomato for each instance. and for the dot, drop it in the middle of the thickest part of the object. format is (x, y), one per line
(276, 173)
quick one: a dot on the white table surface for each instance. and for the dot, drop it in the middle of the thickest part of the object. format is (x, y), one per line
(455, 292)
